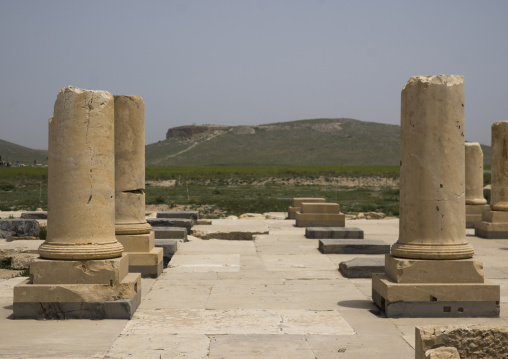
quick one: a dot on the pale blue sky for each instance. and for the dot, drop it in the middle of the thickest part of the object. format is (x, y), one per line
(248, 62)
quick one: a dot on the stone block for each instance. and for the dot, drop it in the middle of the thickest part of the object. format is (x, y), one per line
(495, 216)
(435, 300)
(136, 242)
(470, 341)
(170, 233)
(321, 208)
(171, 222)
(20, 227)
(353, 246)
(148, 264)
(362, 267)
(204, 222)
(401, 270)
(78, 301)
(320, 220)
(334, 232)
(192, 215)
(297, 202)
(169, 247)
(474, 213)
(98, 271)
(292, 212)
(490, 230)
(34, 215)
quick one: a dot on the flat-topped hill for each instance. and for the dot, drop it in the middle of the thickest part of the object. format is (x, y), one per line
(340, 141)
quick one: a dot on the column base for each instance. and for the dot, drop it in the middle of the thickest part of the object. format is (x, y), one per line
(426, 300)
(474, 213)
(434, 288)
(82, 293)
(320, 220)
(292, 212)
(494, 225)
(144, 257)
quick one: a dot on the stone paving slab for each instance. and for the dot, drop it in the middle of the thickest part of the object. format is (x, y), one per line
(205, 263)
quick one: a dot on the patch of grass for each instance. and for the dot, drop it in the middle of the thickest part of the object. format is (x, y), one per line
(43, 233)
(6, 263)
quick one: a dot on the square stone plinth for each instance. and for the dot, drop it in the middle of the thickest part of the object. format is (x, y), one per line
(137, 242)
(353, 246)
(98, 271)
(333, 232)
(474, 213)
(494, 225)
(170, 233)
(82, 298)
(402, 270)
(362, 267)
(149, 264)
(192, 215)
(320, 220)
(292, 212)
(435, 300)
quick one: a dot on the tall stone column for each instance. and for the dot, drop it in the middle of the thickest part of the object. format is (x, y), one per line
(132, 229)
(81, 178)
(432, 200)
(476, 204)
(494, 224)
(82, 273)
(430, 271)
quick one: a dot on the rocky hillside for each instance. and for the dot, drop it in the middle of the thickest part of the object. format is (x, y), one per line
(11, 152)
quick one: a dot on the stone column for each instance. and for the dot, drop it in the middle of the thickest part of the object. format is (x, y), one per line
(499, 167)
(432, 200)
(130, 166)
(474, 174)
(132, 229)
(430, 272)
(82, 273)
(81, 177)
(494, 224)
(476, 204)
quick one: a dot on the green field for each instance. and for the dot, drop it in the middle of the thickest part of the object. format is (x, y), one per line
(221, 191)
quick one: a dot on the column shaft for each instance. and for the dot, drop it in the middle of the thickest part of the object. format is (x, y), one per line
(81, 177)
(474, 174)
(130, 165)
(432, 198)
(499, 166)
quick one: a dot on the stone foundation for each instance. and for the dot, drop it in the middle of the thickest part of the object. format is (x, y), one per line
(144, 258)
(92, 289)
(474, 213)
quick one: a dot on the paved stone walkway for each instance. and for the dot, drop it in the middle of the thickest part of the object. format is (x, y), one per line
(274, 297)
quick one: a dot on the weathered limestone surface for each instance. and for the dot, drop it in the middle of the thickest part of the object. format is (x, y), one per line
(474, 213)
(81, 177)
(20, 227)
(429, 272)
(473, 341)
(169, 247)
(432, 200)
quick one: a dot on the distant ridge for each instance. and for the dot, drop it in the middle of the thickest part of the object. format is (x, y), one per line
(12, 152)
(335, 142)
(326, 141)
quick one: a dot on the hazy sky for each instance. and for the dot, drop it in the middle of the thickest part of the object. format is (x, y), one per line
(248, 62)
